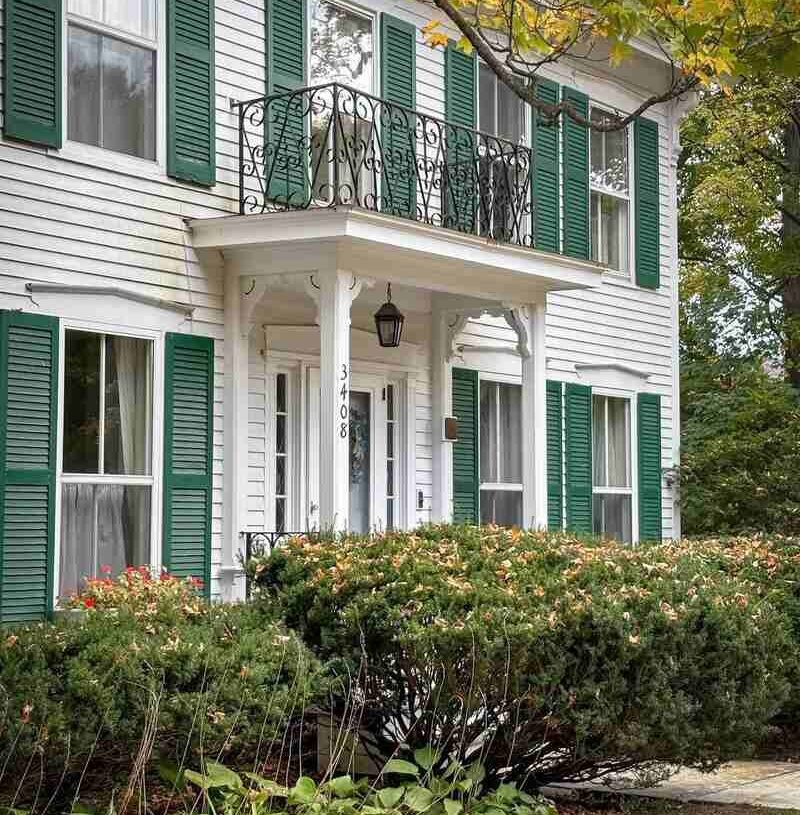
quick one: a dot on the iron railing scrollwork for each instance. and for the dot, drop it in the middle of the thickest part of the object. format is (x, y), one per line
(263, 543)
(331, 146)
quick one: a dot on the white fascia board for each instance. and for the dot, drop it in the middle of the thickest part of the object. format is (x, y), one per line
(353, 237)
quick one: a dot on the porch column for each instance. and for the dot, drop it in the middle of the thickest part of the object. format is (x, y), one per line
(534, 422)
(441, 398)
(234, 490)
(336, 291)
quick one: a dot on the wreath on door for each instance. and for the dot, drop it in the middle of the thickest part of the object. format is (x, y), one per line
(359, 445)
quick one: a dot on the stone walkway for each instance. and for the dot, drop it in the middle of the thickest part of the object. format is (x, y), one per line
(759, 783)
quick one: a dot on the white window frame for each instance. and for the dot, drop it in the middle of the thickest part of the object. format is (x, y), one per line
(628, 198)
(100, 156)
(496, 486)
(293, 428)
(154, 480)
(630, 398)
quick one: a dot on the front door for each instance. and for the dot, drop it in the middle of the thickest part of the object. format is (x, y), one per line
(367, 471)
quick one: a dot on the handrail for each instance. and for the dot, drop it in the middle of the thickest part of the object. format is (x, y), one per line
(332, 145)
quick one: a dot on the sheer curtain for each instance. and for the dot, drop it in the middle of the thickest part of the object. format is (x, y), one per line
(133, 381)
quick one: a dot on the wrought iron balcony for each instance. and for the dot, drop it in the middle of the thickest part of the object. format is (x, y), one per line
(331, 146)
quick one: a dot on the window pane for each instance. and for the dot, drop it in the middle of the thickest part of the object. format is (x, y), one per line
(615, 232)
(83, 105)
(128, 99)
(595, 226)
(91, 9)
(618, 443)
(81, 402)
(612, 517)
(134, 16)
(599, 441)
(390, 402)
(609, 156)
(486, 92)
(128, 413)
(509, 114)
(501, 507)
(510, 434)
(488, 420)
(341, 46)
(281, 393)
(104, 529)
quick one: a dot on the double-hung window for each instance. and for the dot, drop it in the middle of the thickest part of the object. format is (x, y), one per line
(107, 473)
(501, 453)
(610, 192)
(612, 483)
(111, 100)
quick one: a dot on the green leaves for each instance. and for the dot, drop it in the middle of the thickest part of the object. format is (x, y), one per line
(399, 767)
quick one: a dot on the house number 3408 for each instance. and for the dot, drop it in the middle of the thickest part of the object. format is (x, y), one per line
(344, 407)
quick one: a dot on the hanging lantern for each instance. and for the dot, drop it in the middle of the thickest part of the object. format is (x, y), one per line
(389, 322)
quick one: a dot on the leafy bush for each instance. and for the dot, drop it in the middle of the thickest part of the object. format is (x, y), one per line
(148, 666)
(547, 657)
(740, 452)
(417, 789)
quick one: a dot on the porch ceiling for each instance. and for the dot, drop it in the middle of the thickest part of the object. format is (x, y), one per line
(384, 247)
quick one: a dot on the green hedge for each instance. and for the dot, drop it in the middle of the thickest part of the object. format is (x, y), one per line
(546, 656)
(210, 679)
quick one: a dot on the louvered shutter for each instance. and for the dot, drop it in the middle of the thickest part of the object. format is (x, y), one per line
(546, 198)
(188, 428)
(460, 188)
(578, 451)
(466, 481)
(576, 177)
(646, 197)
(28, 416)
(555, 456)
(191, 144)
(648, 418)
(32, 81)
(398, 80)
(286, 143)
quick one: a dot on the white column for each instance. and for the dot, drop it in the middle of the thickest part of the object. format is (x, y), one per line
(441, 398)
(534, 422)
(336, 291)
(234, 491)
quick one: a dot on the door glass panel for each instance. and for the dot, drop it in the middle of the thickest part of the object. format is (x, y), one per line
(360, 461)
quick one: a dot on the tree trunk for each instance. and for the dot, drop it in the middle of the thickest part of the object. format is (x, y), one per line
(790, 236)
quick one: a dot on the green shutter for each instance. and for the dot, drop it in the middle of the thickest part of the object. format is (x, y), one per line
(555, 456)
(648, 419)
(646, 197)
(576, 177)
(191, 144)
(460, 204)
(28, 415)
(188, 428)
(286, 153)
(32, 82)
(466, 481)
(398, 80)
(578, 448)
(546, 198)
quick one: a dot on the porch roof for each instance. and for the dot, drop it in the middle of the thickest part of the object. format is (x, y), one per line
(386, 247)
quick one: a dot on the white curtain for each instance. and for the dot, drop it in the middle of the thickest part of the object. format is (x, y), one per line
(133, 381)
(618, 471)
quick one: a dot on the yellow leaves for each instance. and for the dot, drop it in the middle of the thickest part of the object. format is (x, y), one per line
(433, 34)
(619, 52)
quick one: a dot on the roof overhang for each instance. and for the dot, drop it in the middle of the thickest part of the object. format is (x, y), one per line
(389, 248)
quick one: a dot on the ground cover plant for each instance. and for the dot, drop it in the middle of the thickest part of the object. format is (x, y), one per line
(546, 657)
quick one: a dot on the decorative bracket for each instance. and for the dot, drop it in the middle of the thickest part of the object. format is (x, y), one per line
(516, 317)
(251, 291)
(312, 289)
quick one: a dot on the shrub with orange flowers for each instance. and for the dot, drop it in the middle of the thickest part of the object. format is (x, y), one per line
(548, 656)
(143, 664)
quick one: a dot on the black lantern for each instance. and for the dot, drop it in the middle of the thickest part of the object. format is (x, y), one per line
(389, 322)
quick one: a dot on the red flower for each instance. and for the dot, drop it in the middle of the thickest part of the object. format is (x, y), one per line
(105, 569)
(88, 602)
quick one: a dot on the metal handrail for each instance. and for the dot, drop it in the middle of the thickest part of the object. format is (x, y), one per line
(331, 145)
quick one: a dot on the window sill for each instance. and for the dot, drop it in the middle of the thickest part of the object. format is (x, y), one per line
(109, 160)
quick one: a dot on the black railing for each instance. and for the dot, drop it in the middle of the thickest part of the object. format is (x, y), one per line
(260, 544)
(332, 146)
